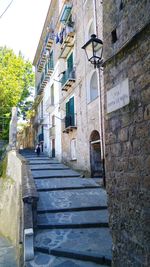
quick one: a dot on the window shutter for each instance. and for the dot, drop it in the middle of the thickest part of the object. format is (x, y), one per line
(52, 94)
(70, 63)
(71, 111)
(67, 115)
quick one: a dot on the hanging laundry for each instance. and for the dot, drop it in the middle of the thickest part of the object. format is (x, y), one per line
(57, 38)
(61, 37)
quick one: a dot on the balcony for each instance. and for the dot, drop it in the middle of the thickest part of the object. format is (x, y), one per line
(52, 132)
(39, 90)
(49, 40)
(67, 79)
(50, 104)
(49, 68)
(42, 84)
(70, 123)
(65, 14)
(68, 40)
(42, 60)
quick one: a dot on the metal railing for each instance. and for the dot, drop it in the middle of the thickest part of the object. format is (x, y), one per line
(70, 120)
(67, 75)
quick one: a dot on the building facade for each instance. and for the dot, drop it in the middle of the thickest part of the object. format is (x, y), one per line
(127, 127)
(70, 95)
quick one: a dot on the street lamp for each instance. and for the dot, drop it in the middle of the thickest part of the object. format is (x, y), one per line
(94, 49)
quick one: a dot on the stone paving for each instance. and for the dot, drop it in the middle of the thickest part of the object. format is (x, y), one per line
(7, 254)
(72, 218)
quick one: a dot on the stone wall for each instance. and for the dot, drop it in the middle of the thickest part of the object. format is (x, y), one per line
(26, 137)
(127, 132)
(10, 201)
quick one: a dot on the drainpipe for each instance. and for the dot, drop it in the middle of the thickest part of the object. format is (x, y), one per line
(100, 101)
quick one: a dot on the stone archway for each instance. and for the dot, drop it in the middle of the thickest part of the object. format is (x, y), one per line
(95, 155)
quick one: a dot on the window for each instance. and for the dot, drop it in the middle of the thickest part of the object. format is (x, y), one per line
(114, 36)
(73, 149)
(93, 86)
(53, 120)
(52, 94)
(70, 63)
(70, 116)
(51, 60)
(41, 112)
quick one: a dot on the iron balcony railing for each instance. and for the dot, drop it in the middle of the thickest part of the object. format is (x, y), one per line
(49, 40)
(68, 40)
(47, 46)
(50, 64)
(67, 79)
(49, 67)
(69, 123)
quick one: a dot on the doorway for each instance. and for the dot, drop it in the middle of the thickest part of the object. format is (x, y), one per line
(53, 148)
(95, 155)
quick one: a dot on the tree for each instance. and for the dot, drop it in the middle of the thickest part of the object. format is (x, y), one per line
(16, 79)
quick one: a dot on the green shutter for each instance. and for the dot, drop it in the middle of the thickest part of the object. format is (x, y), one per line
(70, 120)
(70, 63)
(52, 94)
(67, 115)
(67, 108)
(71, 111)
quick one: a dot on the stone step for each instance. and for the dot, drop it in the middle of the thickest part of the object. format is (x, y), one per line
(98, 218)
(93, 244)
(63, 183)
(72, 226)
(45, 260)
(8, 255)
(53, 166)
(35, 157)
(33, 154)
(65, 188)
(88, 208)
(83, 198)
(54, 173)
(39, 161)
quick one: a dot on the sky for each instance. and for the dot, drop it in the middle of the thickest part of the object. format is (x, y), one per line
(21, 25)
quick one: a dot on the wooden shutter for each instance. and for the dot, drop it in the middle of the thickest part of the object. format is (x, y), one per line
(70, 63)
(67, 115)
(71, 111)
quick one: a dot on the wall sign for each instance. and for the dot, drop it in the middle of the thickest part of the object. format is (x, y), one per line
(118, 96)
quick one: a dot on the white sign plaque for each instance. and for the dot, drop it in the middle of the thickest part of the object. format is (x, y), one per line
(118, 96)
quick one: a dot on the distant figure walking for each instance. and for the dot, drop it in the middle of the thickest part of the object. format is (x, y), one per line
(38, 149)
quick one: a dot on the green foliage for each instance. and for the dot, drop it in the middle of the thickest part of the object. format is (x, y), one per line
(16, 79)
(3, 167)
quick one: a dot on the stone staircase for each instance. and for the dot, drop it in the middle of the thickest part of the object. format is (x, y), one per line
(72, 217)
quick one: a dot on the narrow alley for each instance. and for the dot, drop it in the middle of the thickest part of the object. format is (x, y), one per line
(72, 217)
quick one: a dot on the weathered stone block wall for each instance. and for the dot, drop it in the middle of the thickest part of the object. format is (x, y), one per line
(10, 200)
(127, 132)
(126, 18)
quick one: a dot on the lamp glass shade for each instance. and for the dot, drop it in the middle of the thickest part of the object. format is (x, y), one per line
(89, 51)
(94, 49)
(97, 49)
